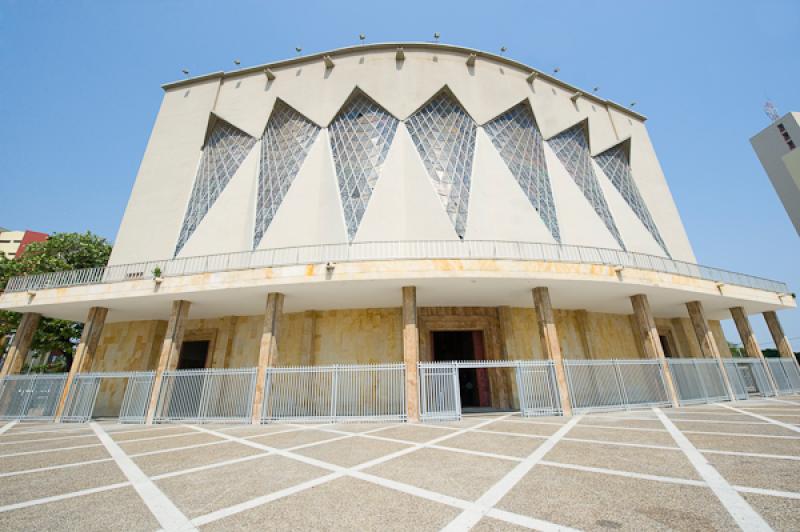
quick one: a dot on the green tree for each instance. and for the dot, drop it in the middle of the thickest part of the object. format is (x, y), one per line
(62, 251)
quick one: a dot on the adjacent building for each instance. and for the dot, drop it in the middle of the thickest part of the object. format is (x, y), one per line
(13, 243)
(372, 228)
(776, 149)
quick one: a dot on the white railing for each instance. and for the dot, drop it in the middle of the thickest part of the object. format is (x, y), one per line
(373, 251)
(615, 384)
(748, 376)
(82, 399)
(206, 395)
(335, 394)
(698, 380)
(785, 373)
(33, 396)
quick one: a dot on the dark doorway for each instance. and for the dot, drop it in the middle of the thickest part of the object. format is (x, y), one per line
(665, 346)
(193, 355)
(465, 345)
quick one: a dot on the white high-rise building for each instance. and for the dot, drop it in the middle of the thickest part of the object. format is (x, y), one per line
(775, 147)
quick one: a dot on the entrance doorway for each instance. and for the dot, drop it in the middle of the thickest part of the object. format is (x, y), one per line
(193, 355)
(473, 383)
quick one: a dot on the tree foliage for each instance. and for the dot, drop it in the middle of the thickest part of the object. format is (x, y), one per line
(62, 251)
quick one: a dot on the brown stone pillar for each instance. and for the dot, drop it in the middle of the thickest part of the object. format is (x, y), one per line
(411, 351)
(778, 336)
(20, 344)
(651, 344)
(708, 344)
(268, 349)
(84, 352)
(550, 344)
(749, 341)
(170, 350)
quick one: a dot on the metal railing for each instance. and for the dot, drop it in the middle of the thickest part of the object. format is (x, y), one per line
(33, 396)
(748, 376)
(372, 251)
(616, 383)
(785, 374)
(698, 380)
(206, 395)
(335, 394)
(83, 393)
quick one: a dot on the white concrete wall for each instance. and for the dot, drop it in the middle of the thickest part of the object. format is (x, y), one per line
(403, 205)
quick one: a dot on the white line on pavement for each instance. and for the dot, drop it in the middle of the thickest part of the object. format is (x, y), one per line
(744, 514)
(764, 418)
(8, 426)
(470, 517)
(70, 495)
(162, 508)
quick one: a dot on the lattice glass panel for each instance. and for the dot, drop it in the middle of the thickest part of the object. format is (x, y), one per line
(516, 136)
(225, 149)
(572, 149)
(444, 135)
(616, 166)
(360, 138)
(286, 142)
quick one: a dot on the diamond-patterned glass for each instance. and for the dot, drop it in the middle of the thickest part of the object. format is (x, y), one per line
(225, 149)
(572, 149)
(516, 136)
(616, 166)
(360, 137)
(444, 135)
(286, 142)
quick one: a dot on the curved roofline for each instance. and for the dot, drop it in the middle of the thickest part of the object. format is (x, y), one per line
(404, 45)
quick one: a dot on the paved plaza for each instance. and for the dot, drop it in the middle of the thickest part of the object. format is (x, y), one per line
(704, 467)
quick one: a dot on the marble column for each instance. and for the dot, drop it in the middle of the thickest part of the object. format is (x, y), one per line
(268, 349)
(411, 351)
(170, 350)
(651, 344)
(751, 348)
(20, 344)
(708, 344)
(550, 344)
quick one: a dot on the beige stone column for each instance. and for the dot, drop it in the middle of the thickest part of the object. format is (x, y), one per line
(84, 352)
(411, 351)
(778, 336)
(749, 341)
(585, 330)
(20, 344)
(170, 350)
(651, 344)
(268, 349)
(550, 345)
(708, 344)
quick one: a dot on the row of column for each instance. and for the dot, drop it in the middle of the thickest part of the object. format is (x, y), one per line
(645, 329)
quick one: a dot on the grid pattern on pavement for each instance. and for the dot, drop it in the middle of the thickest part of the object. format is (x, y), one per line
(710, 467)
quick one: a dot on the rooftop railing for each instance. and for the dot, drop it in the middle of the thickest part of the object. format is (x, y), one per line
(377, 251)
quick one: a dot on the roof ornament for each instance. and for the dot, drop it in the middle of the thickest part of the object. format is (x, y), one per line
(361, 37)
(771, 110)
(436, 37)
(298, 50)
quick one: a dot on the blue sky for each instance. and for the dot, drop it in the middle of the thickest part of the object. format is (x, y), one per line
(82, 88)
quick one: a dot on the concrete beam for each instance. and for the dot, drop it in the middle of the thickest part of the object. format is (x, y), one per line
(268, 350)
(21, 344)
(550, 345)
(651, 344)
(708, 344)
(84, 352)
(411, 351)
(170, 350)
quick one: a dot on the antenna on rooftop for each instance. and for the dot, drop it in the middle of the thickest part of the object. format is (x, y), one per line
(361, 37)
(436, 36)
(771, 110)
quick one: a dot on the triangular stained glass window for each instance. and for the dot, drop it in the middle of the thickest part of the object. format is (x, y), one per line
(616, 166)
(286, 142)
(225, 149)
(444, 135)
(360, 138)
(572, 149)
(519, 141)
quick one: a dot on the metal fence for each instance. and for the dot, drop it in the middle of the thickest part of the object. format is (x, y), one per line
(615, 383)
(34, 396)
(785, 374)
(335, 394)
(83, 393)
(698, 380)
(747, 376)
(206, 395)
(440, 394)
(362, 251)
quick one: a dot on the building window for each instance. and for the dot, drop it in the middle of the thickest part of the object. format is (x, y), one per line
(791, 145)
(360, 138)
(286, 142)
(444, 135)
(225, 149)
(781, 128)
(572, 150)
(516, 136)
